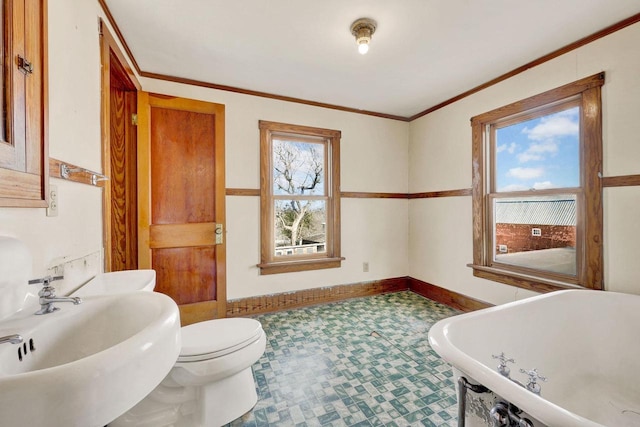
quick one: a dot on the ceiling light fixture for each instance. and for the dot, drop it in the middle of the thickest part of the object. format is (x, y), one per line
(363, 29)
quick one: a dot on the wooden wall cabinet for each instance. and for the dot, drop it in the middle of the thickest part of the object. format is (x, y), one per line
(23, 112)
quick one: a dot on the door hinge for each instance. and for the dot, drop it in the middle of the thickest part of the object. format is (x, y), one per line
(134, 119)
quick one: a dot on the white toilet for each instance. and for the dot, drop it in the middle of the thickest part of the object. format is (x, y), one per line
(211, 383)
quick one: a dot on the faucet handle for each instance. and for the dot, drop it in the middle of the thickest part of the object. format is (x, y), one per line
(502, 367)
(46, 280)
(47, 290)
(534, 376)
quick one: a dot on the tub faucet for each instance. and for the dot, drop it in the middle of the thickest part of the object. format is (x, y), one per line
(503, 369)
(48, 295)
(534, 376)
(13, 339)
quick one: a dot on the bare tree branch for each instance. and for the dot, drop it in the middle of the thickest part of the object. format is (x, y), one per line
(298, 170)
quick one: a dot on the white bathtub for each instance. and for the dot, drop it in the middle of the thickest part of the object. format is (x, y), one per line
(587, 344)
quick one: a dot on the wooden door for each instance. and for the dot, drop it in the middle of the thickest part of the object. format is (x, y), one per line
(181, 194)
(122, 251)
(119, 147)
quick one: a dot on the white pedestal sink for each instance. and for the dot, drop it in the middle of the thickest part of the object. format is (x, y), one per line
(118, 282)
(86, 364)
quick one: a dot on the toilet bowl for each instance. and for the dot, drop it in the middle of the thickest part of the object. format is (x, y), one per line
(211, 383)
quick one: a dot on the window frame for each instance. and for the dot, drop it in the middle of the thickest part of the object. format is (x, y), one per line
(589, 232)
(493, 194)
(269, 262)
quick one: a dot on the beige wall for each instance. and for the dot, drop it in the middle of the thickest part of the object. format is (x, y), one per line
(428, 239)
(373, 158)
(440, 242)
(74, 136)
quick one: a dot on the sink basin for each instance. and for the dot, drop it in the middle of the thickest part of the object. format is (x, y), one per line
(117, 282)
(86, 364)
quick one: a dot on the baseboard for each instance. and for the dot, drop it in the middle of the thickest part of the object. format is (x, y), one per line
(445, 296)
(285, 301)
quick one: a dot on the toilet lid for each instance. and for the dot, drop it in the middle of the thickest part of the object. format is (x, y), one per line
(215, 338)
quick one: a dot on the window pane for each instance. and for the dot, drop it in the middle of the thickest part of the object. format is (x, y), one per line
(298, 168)
(300, 227)
(536, 232)
(539, 154)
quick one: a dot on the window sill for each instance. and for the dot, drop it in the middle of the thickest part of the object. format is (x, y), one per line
(299, 265)
(524, 281)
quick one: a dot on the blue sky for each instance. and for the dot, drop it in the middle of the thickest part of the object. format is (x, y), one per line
(541, 153)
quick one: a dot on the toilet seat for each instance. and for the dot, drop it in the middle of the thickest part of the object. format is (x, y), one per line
(216, 338)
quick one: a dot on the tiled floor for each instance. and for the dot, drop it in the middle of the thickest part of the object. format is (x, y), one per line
(360, 362)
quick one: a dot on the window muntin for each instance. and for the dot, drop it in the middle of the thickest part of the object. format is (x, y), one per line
(300, 228)
(573, 113)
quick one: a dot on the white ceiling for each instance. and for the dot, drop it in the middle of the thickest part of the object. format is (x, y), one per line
(423, 52)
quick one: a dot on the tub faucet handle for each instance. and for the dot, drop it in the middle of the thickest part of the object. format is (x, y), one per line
(532, 383)
(503, 369)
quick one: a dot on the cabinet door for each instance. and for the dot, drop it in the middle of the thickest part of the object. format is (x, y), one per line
(23, 149)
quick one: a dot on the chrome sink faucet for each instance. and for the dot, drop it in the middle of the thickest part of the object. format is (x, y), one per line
(48, 295)
(13, 339)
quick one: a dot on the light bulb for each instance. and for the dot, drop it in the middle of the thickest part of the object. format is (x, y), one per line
(362, 29)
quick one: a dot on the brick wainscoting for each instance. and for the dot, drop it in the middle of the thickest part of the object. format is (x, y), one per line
(285, 301)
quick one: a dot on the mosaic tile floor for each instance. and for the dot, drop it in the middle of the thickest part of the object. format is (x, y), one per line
(360, 362)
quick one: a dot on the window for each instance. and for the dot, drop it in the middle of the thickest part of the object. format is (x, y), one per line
(537, 208)
(299, 198)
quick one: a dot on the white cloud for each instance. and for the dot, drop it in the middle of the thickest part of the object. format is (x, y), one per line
(525, 173)
(543, 185)
(544, 147)
(536, 186)
(527, 157)
(511, 148)
(554, 126)
(514, 187)
(536, 151)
